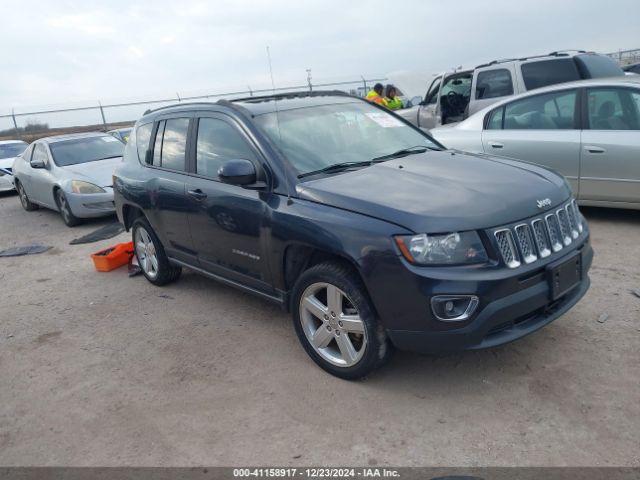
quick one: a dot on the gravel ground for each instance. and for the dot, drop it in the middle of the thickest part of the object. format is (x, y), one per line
(101, 369)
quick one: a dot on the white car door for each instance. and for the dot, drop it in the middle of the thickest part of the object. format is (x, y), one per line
(610, 153)
(542, 129)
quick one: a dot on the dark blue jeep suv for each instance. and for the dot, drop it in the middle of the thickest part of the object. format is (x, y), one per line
(370, 232)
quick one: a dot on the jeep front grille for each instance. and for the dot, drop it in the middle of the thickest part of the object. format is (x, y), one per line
(538, 237)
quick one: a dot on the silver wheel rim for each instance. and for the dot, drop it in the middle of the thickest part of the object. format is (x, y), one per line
(23, 195)
(146, 253)
(332, 325)
(64, 206)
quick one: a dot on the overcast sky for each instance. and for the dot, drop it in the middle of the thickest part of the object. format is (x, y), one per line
(61, 52)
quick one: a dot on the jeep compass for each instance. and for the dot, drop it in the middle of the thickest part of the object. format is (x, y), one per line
(372, 234)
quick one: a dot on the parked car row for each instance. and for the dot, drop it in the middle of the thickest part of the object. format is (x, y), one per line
(71, 174)
(589, 131)
(371, 232)
(453, 96)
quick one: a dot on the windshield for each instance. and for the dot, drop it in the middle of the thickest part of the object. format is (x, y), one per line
(10, 150)
(314, 138)
(83, 150)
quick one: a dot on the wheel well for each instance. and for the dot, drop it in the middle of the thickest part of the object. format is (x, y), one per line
(298, 258)
(129, 214)
(55, 197)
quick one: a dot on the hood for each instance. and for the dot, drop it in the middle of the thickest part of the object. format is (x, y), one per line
(7, 162)
(445, 191)
(99, 173)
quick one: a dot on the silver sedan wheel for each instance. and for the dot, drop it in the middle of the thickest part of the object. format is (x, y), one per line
(65, 211)
(23, 196)
(332, 324)
(146, 252)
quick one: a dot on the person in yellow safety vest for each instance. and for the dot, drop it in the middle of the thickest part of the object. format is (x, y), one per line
(375, 95)
(393, 102)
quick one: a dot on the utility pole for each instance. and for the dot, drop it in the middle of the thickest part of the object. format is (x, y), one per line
(309, 80)
(104, 120)
(15, 124)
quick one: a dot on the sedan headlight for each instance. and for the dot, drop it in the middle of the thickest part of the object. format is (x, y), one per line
(78, 186)
(448, 249)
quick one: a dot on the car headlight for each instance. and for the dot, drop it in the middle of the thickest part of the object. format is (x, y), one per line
(457, 248)
(78, 186)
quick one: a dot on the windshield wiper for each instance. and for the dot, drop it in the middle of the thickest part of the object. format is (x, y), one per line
(402, 153)
(336, 167)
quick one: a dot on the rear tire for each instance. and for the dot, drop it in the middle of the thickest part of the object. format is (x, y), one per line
(151, 256)
(69, 219)
(24, 199)
(336, 322)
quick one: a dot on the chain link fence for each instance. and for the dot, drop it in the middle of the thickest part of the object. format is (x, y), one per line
(626, 57)
(31, 124)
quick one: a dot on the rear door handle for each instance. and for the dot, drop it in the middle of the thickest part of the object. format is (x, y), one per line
(496, 144)
(594, 149)
(197, 194)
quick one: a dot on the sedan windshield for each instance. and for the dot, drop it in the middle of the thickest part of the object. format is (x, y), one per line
(83, 150)
(9, 150)
(353, 134)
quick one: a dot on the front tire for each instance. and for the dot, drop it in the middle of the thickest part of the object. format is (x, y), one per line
(24, 199)
(336, 323)
(151, 256)
(69, 219)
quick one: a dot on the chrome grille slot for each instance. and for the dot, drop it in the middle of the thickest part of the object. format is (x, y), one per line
(542, 240)
(576, 212)
(554, 232)
(571, 215)
(565, 229)
(527, 249)
(507, 248)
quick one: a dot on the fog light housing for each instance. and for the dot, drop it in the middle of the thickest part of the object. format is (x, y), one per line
(454, 308)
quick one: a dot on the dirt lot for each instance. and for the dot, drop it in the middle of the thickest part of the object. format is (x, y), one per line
(102, 369)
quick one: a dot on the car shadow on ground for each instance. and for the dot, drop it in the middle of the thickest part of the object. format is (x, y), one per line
(610, 214)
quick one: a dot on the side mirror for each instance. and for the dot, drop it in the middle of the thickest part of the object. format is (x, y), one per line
(415, 101)
(37, 163)
(238, 172)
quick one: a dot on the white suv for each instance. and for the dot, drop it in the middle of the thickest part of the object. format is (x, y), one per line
(453, 96)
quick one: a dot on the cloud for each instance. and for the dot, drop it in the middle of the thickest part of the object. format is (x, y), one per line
(74, 50)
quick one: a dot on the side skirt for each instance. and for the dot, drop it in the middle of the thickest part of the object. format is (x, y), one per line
(278, 299)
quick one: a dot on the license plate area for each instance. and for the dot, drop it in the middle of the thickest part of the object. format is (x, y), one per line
(563, 276)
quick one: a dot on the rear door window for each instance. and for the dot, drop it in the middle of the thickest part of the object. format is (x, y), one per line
(170, 146)
(551, 111)
(218, 142)
(613, 109)
(493, 84)
(549, 72)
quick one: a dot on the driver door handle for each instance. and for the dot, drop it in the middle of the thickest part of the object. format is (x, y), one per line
(197, 194)
(496, 144)
(594, 149)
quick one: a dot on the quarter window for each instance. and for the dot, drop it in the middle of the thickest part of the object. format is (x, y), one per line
(493, 84)
(218, 142)
(40, 153)
(551, 111)
(549, 72)
(495, 119)
(143, 135)
(170, 146)
(613, 109)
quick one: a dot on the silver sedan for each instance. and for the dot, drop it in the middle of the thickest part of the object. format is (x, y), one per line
(71, 174)
(589, 131)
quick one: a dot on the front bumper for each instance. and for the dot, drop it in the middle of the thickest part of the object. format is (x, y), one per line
(511, 307)
(6, 183)
(91, 205)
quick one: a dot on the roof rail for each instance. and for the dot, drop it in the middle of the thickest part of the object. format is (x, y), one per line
(257, 98)
(558, 53)
(302, 94)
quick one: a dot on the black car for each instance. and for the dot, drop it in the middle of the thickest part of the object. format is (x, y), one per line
(370, 232)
